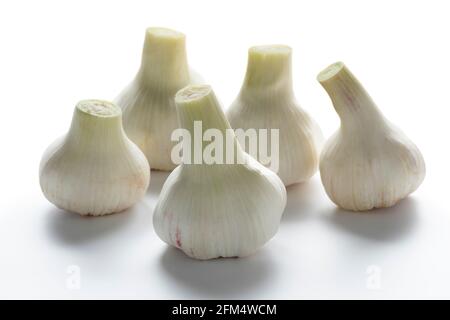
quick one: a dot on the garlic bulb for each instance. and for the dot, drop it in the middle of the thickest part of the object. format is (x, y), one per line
(267, 101)
(94, 169)
(149, 113)
(217, 210)
(368, 163)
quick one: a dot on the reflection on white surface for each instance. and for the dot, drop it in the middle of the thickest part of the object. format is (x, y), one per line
(71, 229)
(387, 224)
(320, 251)
(221, 277)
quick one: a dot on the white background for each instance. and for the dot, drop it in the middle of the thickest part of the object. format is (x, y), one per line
(54, 53)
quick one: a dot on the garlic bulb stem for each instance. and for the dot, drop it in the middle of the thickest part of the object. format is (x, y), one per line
(164, 60)
(351, 101)
(269, 71)
(199, 103)
(95, 123)
(95, 169)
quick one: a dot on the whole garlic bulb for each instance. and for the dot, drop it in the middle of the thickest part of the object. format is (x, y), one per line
(217, 210)
(267, 101)
(368, 163)
(149, 113)
(94, 169)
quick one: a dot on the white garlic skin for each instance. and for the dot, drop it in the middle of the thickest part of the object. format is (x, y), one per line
(218, 210)
(149, 112)
(267, 101)
(94, 169)
(368, 163)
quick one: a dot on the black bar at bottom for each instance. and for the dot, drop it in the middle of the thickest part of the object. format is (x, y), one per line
(223, 309)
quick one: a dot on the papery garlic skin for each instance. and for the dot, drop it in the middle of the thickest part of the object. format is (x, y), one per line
(368, 163)
(217, 210)
(149, 113)
(94, 169)
(267, 101)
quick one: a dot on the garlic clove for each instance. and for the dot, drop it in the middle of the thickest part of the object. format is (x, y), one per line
(149, 113)
(267, 101)
(217, 210)
(94, 169)
(368, 163)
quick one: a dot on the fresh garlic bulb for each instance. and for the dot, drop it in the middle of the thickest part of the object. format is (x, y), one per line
(94, 169)
(368, 163)
(267, 101)
(149, 113)
(217, 210)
